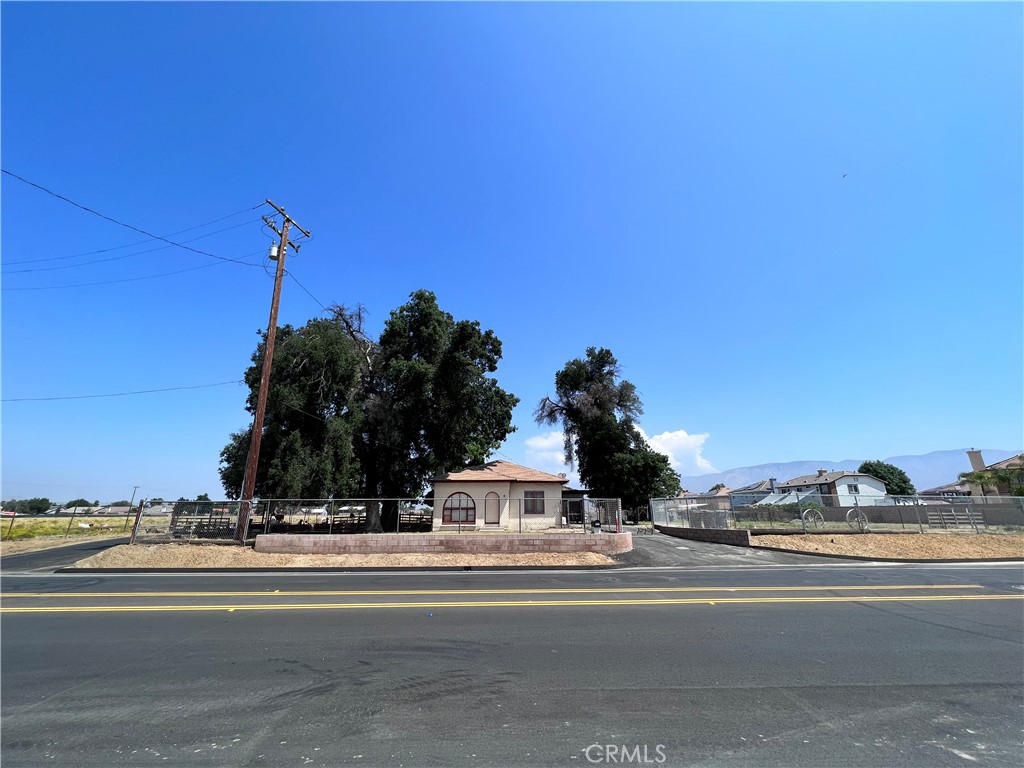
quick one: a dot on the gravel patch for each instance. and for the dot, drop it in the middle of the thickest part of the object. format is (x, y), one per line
(224, 556)
(924, 546)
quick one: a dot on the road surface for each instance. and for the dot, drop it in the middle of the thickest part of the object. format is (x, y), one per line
(823, 665)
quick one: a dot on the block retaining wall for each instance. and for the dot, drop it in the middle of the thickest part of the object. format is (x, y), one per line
(425, 543)
(739, 538)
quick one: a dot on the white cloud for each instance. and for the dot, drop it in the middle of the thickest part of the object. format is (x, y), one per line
(683, 450)
(546, 452)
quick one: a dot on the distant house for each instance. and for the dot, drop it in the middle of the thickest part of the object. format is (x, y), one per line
(960, 488)
(1006, 475)
(752, 494)
(832, 489)
(498, 495)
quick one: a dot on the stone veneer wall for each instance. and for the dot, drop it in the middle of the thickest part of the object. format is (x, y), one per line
(739, 538)
(422, 543)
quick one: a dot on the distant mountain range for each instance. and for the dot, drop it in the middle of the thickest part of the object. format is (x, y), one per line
(927, 471)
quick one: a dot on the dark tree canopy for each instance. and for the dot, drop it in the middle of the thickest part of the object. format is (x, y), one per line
(306, 450)
(353, 417)
(897, 482)
(78, 503)
(598, 412)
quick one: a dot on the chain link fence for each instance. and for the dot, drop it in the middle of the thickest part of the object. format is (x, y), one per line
(212, 520)
(817, 512)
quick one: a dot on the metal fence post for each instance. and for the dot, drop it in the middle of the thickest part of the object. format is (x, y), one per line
(917, 511)
(68, 531)
(14, 514)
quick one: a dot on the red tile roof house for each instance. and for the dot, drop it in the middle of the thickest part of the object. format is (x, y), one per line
(498, 496)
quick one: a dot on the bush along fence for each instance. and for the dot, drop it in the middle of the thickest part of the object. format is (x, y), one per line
(458, 513)
(813, 512)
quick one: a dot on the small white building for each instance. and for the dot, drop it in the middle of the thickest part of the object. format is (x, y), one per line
(498, 495)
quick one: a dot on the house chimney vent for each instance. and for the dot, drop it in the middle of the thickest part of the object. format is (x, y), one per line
(773, 484)
(822, 472)
(977, 463)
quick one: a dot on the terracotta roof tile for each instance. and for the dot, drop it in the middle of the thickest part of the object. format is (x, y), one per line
(500, 471)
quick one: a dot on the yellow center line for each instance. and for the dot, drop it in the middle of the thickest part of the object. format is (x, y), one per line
(554, 591)
(502, 604)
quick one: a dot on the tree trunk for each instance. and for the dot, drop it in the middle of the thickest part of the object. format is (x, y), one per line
(373, 524)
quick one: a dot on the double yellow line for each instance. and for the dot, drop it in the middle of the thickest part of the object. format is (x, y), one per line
(541, 603)
(493, 604)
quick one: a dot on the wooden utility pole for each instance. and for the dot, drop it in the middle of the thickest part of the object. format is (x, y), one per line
(249, 480)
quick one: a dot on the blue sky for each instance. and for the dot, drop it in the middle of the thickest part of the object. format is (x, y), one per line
(798, 226)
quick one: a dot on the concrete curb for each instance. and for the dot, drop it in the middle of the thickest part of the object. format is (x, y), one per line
(349, 569)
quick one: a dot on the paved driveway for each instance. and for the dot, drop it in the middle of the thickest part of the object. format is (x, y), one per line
(660, 550)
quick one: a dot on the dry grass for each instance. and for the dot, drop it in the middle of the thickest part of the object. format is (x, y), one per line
(925, 546)
(225, 556)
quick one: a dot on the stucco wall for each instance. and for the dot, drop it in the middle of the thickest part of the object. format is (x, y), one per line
(511, 497)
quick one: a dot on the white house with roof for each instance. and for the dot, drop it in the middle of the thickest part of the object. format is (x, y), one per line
(752, 494)
(498, 495)
(833, 489)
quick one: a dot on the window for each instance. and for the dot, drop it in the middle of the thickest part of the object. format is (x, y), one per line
(458, 508)
(853, 488)
(533, 502)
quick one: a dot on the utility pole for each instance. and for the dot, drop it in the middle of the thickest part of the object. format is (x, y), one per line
(249, 480)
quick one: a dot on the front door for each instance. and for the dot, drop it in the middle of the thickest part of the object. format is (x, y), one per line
(492, 509)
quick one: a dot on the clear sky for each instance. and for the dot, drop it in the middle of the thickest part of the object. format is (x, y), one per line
(797, 226)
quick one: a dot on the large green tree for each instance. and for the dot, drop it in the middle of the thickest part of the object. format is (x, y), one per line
(306, 447)
(427, 401)
(897, 482)
(355, 417)
(597, 410)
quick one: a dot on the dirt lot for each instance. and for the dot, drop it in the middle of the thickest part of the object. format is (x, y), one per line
(925, 546)
(217, 556)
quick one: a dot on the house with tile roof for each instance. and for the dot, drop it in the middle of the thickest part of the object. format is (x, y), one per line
(498, 495)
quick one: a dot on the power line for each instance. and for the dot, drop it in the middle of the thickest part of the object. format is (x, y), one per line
(142, 242)
(117, 394)
(128, 279)
(115, 258)
(314, 298)
(121, 223)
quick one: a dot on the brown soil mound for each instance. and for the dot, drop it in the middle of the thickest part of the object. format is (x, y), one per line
(924, 546)
(222, 556)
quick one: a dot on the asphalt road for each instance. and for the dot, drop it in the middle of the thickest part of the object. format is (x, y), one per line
(57, 557)
(822, 665)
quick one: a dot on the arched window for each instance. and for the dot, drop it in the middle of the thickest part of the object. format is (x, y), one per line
(458, 508)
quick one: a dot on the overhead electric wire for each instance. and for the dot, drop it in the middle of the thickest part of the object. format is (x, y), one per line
(117, 258)
(314, 298)
(142, 242)
(121, 223)
(117, 394)
(127, 279)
